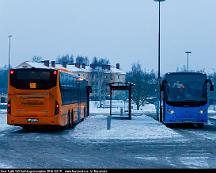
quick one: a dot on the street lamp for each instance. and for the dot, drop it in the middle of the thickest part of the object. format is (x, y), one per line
(188, 52)
(159, 78)
(9, 37)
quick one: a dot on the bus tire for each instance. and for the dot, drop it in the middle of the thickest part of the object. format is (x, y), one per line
(200, 125)
(72, 119)
(85, 112)
(27, 128)
(168, 125)
(68, 120)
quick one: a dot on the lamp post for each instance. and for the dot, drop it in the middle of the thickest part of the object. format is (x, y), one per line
(9, 50)
(159, 113)
(188, 52)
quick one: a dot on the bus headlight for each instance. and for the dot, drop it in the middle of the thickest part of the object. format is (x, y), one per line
(202, 111)
(170, 111)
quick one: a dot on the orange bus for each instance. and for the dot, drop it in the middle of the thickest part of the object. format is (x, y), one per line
(40, 96)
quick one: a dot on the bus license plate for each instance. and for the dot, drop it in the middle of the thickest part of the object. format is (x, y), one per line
(32, 120)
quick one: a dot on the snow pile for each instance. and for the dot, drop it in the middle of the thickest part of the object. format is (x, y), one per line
(212, 109)
(117, 106)
(5, 166)
(150, 108)
(94, 108)
(3, 122)
(140, 127)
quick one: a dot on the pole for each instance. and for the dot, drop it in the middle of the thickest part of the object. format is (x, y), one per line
(159, 110)
(9, 50)
(188, 52)
(187, 62)
(160, 118)
(109, 116)
(159, 43)
(129, 104)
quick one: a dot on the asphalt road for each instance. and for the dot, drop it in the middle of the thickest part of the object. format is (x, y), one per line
(53, 149)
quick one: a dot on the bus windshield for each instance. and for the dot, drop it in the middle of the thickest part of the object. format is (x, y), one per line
(186, 88)
(33, 78)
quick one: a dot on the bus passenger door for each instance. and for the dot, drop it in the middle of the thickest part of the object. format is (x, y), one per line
(163, 93)
(79, 102)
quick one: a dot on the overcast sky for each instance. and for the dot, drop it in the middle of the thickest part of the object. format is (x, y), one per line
(124, 31)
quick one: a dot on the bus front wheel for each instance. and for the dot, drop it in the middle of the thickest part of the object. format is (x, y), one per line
(68, 121)
(168, 125)
(72, 119)
(200, 125)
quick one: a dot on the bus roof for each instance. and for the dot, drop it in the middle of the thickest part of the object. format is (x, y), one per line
(184, 73)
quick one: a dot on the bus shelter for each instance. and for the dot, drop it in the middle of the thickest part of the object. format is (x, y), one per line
(120, 86)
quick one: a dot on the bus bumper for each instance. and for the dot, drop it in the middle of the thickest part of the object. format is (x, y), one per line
(19, 121)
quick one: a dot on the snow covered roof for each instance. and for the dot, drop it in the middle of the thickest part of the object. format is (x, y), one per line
(73, 68)
(28, 64)
(115, 70)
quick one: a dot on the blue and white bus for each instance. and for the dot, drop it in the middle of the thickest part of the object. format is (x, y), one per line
(184, 98)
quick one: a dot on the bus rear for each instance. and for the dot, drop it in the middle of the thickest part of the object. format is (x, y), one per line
(31, 97)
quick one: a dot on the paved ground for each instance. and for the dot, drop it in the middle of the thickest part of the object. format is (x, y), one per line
(191, 148)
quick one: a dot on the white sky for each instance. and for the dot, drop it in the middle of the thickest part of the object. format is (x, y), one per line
(125, 31)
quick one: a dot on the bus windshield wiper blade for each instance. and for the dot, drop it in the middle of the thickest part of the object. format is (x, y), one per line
(193, 100)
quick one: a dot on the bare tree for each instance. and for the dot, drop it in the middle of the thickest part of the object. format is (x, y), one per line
(71, 59)
(100, 76)
(82, 60)
(3, 80)
(145, 84)
(65, 59)
(37, 58)
(95, 61)
(98, 81)
(100, 61)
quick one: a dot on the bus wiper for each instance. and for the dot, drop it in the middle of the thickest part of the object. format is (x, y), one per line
(192, 100)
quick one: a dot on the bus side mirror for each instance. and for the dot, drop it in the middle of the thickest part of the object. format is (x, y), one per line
(89, 88)
(211, 87)
(162, 86)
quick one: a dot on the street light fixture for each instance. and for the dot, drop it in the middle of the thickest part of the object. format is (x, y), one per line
(9, 50)
(188, 52)
(159, 78)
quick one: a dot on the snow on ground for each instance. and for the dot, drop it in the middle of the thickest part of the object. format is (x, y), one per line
(4, 166)
(213, 116)
(140, 127)
(150, 108)
(195, 162)
(117, 106)
(3, 122)
(212, 109)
